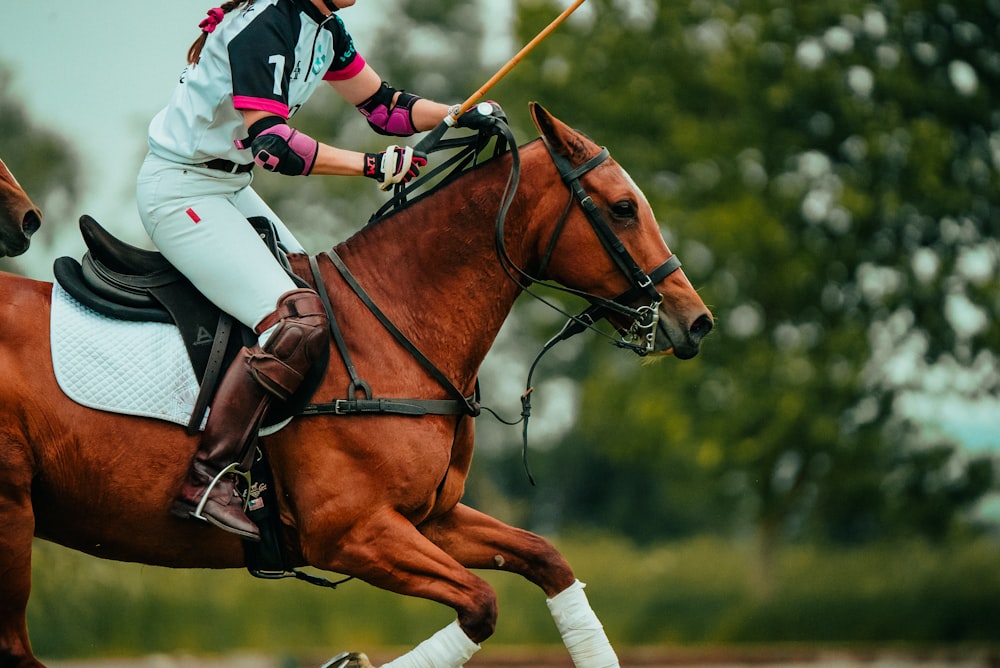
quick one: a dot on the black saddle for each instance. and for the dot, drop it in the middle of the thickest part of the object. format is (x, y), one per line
(125, 282)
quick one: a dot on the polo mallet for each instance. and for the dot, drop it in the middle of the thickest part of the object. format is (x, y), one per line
(432, 137)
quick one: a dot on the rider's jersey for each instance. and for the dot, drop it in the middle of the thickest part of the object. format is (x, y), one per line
(270, 55)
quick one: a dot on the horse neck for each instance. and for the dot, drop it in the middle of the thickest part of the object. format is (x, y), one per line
(433, 267)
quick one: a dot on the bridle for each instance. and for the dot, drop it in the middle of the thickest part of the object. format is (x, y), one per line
(644, 318)
(640, 337)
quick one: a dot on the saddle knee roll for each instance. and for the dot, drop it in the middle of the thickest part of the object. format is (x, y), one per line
(299, 340)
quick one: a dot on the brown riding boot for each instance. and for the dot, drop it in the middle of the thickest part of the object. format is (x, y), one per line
(300, 339)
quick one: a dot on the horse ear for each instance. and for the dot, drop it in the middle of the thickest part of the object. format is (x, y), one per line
(554, 131)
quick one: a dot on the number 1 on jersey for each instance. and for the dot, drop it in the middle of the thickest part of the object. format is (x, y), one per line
(279, 69)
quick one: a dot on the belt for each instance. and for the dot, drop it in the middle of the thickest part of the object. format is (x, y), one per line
(228, 166)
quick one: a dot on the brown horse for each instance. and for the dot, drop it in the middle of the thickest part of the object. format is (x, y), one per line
(19, 217)
(376, 497)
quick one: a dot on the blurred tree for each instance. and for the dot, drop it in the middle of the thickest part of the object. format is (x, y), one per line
(828, 174)
(43, 163)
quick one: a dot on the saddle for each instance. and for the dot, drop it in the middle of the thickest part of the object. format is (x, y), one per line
(125, 282)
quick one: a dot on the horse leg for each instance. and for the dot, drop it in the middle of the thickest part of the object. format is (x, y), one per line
(388, 552)
(18, 525)
(477, 540)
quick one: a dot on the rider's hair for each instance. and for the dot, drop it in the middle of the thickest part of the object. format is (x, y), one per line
(207, 26)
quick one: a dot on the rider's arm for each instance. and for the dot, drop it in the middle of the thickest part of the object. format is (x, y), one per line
(361, 88)
(278, 148)
(329, 160)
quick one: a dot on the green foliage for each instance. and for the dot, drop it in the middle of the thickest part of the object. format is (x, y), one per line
(42, 161)
(826, 172)
(38, 157)
(698, 591)
(854, 596)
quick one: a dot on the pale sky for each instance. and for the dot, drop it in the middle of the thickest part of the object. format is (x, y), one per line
(96, 72)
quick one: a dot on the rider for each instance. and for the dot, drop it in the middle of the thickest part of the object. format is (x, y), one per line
(247, 73)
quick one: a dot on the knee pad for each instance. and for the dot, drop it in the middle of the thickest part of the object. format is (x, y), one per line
(386, 119)
(278, 148)
(300, 339)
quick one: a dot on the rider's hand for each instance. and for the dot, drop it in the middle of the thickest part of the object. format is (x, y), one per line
(396, 164)
(482, 116)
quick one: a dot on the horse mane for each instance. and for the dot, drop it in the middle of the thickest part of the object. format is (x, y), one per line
(574, 145)
(460, 167)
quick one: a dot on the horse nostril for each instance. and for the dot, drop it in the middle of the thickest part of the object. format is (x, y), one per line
(32, 221)
(701, 327)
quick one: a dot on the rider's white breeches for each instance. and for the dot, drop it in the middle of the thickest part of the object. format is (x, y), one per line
(197, 217)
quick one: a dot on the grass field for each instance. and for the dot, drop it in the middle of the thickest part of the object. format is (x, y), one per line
(791, 657)
(929, 604)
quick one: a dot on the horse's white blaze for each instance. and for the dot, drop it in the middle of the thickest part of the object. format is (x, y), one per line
(638, 190)
(10, 174)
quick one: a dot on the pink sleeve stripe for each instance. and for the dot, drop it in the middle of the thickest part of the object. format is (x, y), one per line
(346, 73)
(260, 104)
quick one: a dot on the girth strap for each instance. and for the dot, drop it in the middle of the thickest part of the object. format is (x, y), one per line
(470, 407)
(415, 407)
(357, 383)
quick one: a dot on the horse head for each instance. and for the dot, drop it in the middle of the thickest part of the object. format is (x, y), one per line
(19, 217)
(634, 281)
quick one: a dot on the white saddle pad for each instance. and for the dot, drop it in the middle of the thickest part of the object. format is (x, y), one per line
(136, 368)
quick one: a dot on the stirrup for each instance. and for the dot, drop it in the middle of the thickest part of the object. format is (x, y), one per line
(232, 468)
(345, 659)
(337, 661)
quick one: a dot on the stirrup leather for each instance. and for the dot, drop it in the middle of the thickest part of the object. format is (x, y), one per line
(232, 468)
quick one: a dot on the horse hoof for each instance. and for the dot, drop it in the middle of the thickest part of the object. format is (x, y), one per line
(349, 660)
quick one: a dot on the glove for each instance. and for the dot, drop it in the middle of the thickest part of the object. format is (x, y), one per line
(482, 116)
(396, 164)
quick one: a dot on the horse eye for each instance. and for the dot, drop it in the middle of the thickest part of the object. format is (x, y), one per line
(623, 209)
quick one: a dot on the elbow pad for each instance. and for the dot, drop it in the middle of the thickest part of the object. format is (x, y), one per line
(386, 119)
(278, 148)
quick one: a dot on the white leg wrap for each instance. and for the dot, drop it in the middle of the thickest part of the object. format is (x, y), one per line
(448, 648)
(580, 629)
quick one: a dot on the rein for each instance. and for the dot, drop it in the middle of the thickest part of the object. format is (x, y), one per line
(467, 157)
(644, 318)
